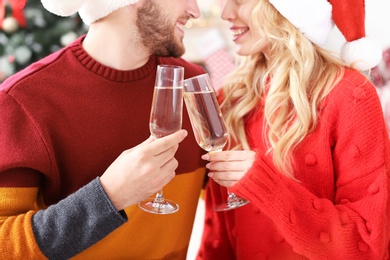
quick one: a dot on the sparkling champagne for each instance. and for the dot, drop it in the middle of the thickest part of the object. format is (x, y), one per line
(206, 120)
(166, 112)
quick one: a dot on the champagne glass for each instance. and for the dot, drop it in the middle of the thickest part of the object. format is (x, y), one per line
(165, 118)
(208, 125)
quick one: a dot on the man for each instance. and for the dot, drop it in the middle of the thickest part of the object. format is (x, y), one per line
(69, 184)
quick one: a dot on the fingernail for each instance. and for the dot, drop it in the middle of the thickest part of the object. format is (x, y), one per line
(185, 133)
(206, 157)
(210, 174)
(208, 166)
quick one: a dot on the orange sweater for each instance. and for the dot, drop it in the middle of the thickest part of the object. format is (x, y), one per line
(338, 209)
(63, 120)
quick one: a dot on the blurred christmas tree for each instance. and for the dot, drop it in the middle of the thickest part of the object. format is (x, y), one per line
(28, 33)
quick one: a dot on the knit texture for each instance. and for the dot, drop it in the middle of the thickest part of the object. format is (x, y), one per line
(339, 207)
(63, 121)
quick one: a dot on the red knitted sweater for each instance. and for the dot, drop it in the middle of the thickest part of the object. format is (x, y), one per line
(338, 209)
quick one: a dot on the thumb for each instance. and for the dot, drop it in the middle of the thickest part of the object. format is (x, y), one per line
(144, 143)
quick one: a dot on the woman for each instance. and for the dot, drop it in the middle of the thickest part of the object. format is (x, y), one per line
(308, 145)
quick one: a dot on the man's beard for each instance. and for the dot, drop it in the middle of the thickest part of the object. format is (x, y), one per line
(156, 31)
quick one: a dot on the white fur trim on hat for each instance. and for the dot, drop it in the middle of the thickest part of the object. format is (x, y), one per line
(62, 7)
(89, 10)
(93, 10)
(362, 54)
(311, 17)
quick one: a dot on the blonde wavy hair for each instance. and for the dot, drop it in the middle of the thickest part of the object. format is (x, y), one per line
(296, 76)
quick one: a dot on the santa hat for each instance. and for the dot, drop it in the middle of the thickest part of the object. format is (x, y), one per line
(89, 10)
(316, 18)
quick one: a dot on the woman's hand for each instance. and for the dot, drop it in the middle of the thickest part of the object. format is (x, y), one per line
(228, 167)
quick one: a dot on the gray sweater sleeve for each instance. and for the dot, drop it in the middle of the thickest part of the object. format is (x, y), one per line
(76, 222)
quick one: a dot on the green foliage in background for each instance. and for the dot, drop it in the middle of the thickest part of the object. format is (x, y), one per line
(44, 34)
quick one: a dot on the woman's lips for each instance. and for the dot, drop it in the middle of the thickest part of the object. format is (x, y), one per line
(238, 32)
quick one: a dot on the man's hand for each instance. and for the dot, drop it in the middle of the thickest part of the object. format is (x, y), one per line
(143, 170)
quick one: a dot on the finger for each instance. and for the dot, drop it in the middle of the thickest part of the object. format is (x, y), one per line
(227, 176)
(144, 143)
(232, 155)
(170, 165)
(167, 142)
(147, 141)
(169, 170)
(164, 157)
(226, 184)
(229, 165)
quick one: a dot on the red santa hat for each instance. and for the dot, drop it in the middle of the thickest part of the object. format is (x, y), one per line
(89, 10)
(316, 18)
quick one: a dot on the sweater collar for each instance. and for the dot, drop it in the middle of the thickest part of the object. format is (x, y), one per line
(109, 73)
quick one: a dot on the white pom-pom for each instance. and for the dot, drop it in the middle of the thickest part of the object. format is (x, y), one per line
(63, 7)
(362, 54)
